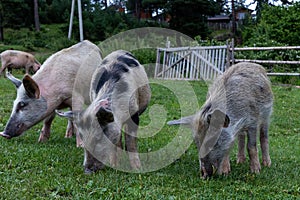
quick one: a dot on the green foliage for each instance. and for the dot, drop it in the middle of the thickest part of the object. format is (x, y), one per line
(51, 37)
(277, 26)
(276, 23)
(145, 56)
(209, 42)
(16, 13)
(29, 170)
(101, 22)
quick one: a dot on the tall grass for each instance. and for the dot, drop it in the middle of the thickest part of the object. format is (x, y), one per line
(53, 170)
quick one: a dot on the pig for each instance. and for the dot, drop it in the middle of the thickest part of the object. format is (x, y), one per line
(14, 59)
(120, 93)
(239, 102)
(63, 81)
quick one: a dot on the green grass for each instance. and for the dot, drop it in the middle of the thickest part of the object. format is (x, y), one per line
(53, 170)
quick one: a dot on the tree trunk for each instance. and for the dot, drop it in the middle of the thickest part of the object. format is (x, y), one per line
(233, 18)
(36, 15)
(1, 24)
(138, 9)
(105, 4)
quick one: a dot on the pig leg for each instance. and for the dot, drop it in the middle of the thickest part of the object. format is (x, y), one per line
(117, 152)
(79, 142)
(116, 149)
(27, 68)
(252, 150)
(90, 163)
(131, 128)
(3, 67)
(264, 143)
(241, 148)
(206, 171)
(45, 133)
(70, 129)
(78, 103)
(225, 165)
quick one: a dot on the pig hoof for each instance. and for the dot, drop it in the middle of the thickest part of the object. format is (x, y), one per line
(205, 175)
(136, 164)
(255, 169)
(80, 145)
(68, 135)
(88, 171)
(241, 159)
(225, 167)
(43, 138)
(79, 142)
(93, 169)
(226, 171)
(267, 162)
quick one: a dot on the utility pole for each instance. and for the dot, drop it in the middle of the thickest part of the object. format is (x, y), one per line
(79, 18)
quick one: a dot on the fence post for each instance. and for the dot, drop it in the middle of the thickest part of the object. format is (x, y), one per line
(157, 63)
(168, 43)
(228, 54)
(232, 51)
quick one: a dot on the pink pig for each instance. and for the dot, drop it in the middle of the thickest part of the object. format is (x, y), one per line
(62, 81)
(13, 59)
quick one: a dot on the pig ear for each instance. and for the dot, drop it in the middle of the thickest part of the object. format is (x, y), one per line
(218, 117)
(31, 87)
(104, 116)
(217, 120)
(183, 121)
(13, 79)
(68, 114)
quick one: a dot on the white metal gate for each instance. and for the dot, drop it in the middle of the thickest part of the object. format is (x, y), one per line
(190, 63)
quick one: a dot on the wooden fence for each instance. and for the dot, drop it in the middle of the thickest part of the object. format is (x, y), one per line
(231, 58)
(205, 63)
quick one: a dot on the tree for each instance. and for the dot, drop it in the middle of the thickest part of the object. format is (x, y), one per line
(260, 4)
(1, 23)
(189, 16)
(277, 23)
(153, 6)
(36, 15)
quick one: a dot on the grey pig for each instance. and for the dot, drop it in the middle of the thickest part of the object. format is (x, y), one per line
(238, 102)
(53, 87)
(120, 93)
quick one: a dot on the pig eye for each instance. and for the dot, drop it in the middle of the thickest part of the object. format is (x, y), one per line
(21, 105)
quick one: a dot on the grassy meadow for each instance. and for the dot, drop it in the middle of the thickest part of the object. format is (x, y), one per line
(53, 170)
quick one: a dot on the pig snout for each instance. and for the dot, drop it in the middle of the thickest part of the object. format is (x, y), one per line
(5, 135)
(206, 169)
(36, 67)
(13, 130)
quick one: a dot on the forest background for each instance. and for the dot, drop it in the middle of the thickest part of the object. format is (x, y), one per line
(42, 25)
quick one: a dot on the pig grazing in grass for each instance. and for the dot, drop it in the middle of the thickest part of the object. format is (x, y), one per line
(239, 102)
(51, 88)
(120, 93)
(13, 59)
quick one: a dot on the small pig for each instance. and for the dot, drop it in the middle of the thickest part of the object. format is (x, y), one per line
(238, 101)
(13, 59)
(120, 93)
(53, 87)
